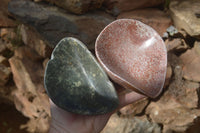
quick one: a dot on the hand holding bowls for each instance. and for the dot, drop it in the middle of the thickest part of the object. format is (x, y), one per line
(132, 54)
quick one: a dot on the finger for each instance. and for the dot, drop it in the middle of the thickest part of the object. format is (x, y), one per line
(129, 98)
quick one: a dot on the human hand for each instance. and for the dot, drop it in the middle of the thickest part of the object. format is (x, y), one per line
(66, 122)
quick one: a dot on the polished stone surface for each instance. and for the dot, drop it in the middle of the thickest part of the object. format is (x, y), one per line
(134, 56)
(75, 81)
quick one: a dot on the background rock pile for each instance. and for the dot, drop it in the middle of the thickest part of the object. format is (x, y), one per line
(29, 30)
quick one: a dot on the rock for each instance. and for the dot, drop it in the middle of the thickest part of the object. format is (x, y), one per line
(78, 6)
(191, 61)
(173, 60)
(168, 75)
(30, 97)
(176, 45)
(4, 61)
(28, 52)
(184, 16)
(45, 19)
(172, 31)
(118, 6)
(4, 6)
(118, 124)
(11, 38)
(5, 21)
(75, 81)
(135, 108)
(5, 50)
(172, 115)
(172, 44)
(2, 47)
(181, 89)
(44, 64)
(5, 73)
(32, 39)
(191, 95)
(177, 110)
(33, 64)
(6, 93)
(155, 18)
(7, 34)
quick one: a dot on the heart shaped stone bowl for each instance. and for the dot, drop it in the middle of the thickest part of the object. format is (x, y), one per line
(76, 82)
(133, 55)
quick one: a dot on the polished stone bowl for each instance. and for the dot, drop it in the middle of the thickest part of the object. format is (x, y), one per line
(76, 82)
(133, 55)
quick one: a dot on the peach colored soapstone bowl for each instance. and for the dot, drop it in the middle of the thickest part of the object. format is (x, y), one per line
(133, 55)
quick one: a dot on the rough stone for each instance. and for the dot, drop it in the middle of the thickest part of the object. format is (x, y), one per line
(2, 47)
(4, 6)
(44, 64)
(180, 88)
(4, 61)
(155, 18)
(177, 110)
(5, 73)
(45, 19)
(117, 6)
(176, 45)
(172, 114)
(173, 60)
(135, 108)
(5, 21)
(6, 93)
(191, 95)
(30, 97)
(191, 61)
(32, 39)
(172, 31)
(75, 81)
(5, 50)
(118, 124)
(168, 75)
(78, 6)
(184, 14)
(7, 34)
(28, 52)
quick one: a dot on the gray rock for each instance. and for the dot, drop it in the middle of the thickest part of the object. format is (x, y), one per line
(54, 23)
(172, 30)
(78, 6)
(76, 82)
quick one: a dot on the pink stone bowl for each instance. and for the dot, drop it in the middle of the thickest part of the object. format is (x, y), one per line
(133, 55)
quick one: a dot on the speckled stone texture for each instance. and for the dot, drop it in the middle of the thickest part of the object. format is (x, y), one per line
(75, 81)
(134, 55)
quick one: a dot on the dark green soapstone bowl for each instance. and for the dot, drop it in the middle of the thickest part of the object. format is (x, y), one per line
(76, 82)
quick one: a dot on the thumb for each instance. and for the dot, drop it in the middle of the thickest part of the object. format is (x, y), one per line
(129, 98)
